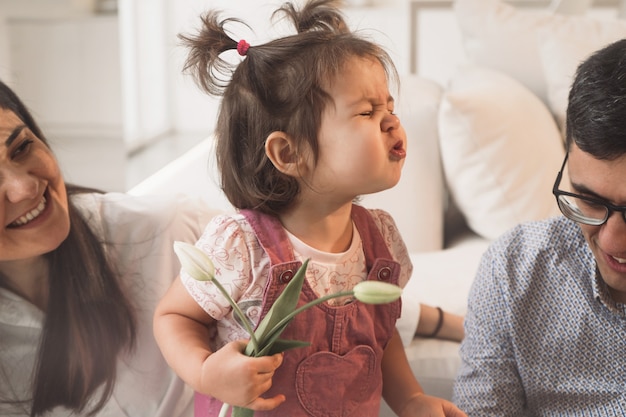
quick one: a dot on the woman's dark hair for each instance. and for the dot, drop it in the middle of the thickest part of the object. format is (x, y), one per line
(89, 320)
(596, 111)
(279, 86)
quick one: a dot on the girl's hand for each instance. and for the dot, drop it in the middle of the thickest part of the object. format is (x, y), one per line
(240, 380)
(425, 405)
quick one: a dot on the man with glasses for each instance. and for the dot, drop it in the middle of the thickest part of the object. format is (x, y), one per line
(546, 322)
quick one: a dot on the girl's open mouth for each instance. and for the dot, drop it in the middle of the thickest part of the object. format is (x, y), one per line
(398, 152)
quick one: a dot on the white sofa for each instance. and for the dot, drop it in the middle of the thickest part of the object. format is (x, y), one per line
(482, 156)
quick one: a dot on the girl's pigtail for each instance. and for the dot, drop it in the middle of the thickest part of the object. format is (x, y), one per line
(317, 15)
(211, 72)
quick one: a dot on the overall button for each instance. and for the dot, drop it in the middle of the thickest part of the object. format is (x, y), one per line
(384, 273)
(286, 276)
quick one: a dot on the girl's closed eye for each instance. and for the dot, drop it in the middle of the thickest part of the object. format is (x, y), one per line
(375, 109)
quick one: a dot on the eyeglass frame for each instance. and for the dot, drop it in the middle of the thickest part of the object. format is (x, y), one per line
(610, 208)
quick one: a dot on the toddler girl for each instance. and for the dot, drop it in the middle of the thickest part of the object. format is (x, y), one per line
(306, 125)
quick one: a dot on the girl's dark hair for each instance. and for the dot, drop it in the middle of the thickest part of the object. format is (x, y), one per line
(595, 119)
(279, 86)
(89, 320)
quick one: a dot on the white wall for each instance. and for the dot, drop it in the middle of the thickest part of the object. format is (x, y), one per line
(192, 109)
(144, 74)
(89, 74)
(157, 98)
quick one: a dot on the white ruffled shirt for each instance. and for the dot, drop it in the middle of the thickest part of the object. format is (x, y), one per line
(139, 232)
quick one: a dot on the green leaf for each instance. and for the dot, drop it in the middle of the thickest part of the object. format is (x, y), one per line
(281, 345)
(286, 302)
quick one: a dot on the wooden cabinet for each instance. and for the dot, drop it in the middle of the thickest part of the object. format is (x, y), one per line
(67, 71)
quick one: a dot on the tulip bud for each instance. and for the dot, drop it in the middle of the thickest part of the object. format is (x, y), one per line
(195, 262)
(376, 292)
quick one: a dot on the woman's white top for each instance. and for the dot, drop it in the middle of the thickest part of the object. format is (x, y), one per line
(139, 232)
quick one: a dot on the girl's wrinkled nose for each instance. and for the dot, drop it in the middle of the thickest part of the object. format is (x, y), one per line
(390, 122)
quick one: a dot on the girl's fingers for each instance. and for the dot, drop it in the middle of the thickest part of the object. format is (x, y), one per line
(264, 404)
(270, 363)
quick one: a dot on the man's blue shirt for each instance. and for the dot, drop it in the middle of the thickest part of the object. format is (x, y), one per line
(543, 336)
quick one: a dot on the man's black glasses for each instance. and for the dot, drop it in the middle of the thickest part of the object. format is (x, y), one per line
(582, 209)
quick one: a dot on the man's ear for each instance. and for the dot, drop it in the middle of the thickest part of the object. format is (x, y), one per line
(281, 150)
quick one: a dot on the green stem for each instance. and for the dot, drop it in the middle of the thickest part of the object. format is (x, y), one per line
(320, 300)
(242, 412)
(237, 411)
(239, 314)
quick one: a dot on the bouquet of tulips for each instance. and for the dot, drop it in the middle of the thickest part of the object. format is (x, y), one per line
(265, 340)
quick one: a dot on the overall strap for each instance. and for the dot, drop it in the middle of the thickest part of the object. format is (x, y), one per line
(271, 235)
(274, 240)
(374, 245)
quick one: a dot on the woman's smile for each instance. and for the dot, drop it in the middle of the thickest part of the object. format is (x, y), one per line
(30, 215)
(33, 198)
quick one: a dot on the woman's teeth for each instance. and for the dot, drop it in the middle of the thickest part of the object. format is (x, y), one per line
(31, 215)
(620, 260)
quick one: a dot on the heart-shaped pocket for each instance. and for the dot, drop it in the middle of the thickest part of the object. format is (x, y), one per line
(331, 385)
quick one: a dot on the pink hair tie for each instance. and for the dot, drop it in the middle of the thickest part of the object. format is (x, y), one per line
(242, 47)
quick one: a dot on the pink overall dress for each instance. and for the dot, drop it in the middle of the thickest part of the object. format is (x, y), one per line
(339, 374)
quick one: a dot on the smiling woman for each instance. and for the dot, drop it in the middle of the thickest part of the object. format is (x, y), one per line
(36, 209)
(75, 303)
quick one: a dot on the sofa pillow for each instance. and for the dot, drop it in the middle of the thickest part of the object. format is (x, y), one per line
(562, 48)
(503, 37)
(500, 149)
(499, 36)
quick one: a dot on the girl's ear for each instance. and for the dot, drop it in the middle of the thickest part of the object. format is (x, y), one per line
(281, 150)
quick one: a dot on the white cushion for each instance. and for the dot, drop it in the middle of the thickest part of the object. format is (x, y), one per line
(507, 38)
(499, 36)
(500, 149)
(193, 173)
(416, 202)
(563, 47)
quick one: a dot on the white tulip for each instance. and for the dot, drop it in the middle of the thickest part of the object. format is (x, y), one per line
(376, 292)
(195, 262)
